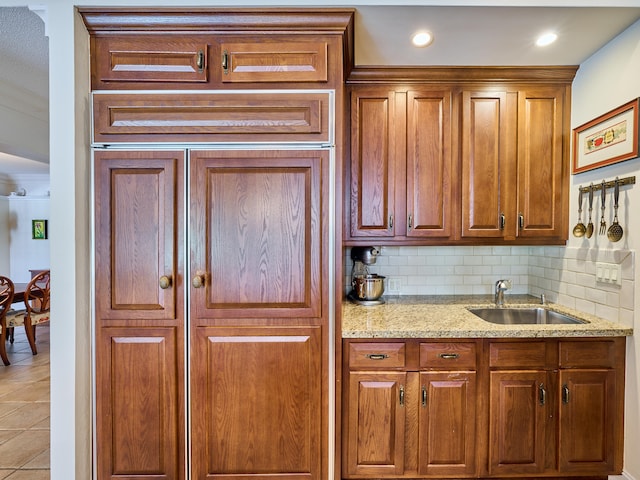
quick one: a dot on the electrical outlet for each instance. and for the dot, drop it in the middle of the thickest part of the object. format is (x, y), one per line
(609, 273)
(393, 286)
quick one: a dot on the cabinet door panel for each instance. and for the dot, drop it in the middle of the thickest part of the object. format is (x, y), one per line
(517, 422)
(139, 412)
(138, 226)
(588, 421)
(373, 166)
(256, 403)
(376, 425)
(485, 166)
(429, 179)
(257, 231)
(447, 423)
(542, 173)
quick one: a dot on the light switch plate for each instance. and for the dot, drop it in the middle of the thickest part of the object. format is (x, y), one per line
(608, 273)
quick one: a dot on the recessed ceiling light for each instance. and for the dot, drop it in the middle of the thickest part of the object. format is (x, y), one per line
(422, 39)
(546, 39)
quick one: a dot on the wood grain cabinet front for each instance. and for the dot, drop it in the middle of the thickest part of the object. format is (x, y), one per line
(514, 164)
(561, 412)
(417, 421)
(493, 408)
(400, 165)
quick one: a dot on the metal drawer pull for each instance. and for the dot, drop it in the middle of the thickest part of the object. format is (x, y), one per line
(225, 62)
(165, 282)
(542, 393)
(376, 356)
(390, 221)
(448, 356)
(502, 221)
(401, 395)
(424, 396)
(200, 61)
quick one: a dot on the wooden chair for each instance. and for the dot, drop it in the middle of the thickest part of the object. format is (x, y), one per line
(36, 311)
(6, 299)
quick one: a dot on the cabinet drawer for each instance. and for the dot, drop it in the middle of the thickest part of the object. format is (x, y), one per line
(449, 355)
(377, 355)
(212, 117)
(148, 59)
(518, 354)
(587, 354)
(279, 61)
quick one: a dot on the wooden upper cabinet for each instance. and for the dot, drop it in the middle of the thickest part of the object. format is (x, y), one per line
(301, 117)
(148, 59)
(401, 164)
(373, 163)
(514, 164)
(429, 164)
(285, 61)
(203, 48)
(488, 165)
(543, 167)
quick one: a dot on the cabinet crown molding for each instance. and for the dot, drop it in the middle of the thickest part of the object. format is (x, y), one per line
(209, 20)
(462, 74)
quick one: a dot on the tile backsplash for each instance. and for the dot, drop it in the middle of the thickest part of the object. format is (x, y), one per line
(566, 275)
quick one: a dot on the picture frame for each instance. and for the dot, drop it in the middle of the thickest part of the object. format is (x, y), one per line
(608, 139)
(39, 230)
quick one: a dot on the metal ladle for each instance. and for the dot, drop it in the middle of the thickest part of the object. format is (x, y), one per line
(615, 231)
(579, 230)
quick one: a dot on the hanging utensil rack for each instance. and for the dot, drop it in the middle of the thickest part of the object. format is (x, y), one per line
(610, 184)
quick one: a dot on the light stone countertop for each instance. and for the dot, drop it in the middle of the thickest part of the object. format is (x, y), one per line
(448, 316)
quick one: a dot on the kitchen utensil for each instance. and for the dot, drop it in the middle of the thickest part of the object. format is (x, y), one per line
(589, 231)
(615, 231)
(579, 230)
(603, 223)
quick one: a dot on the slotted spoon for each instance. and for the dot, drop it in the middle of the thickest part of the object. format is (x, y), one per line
(615, 231)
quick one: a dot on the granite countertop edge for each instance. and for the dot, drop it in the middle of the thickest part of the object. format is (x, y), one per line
(448, 316)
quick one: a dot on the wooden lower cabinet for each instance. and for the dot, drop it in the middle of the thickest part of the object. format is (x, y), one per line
(501, 408)
(376, 428)
(415, 421)
(256, 403)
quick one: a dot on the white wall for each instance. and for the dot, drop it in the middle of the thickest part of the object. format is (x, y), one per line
(605, 81)
(25, 253)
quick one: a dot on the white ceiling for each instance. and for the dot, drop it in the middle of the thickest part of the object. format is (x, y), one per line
(463, 35)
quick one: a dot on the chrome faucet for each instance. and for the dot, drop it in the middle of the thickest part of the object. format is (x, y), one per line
(501, 286)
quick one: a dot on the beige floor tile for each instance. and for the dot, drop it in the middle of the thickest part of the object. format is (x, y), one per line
(24, 447)
(25, 417)
(24, 410)
(32, 392)
(40, 462)
(30, 475)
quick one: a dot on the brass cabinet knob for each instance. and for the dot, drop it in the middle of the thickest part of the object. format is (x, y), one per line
(165, 282)
(198, 281)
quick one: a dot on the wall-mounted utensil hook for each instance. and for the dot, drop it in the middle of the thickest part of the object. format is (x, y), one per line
(610, 184)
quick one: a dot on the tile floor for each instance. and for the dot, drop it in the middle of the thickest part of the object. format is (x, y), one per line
(24, 409)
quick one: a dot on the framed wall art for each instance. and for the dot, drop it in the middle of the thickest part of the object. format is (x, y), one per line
(39, 230)
(608, 139)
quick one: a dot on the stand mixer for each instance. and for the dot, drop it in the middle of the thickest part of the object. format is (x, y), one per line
(367, 287)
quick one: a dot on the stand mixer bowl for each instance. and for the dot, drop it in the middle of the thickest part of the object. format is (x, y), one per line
(368, 287)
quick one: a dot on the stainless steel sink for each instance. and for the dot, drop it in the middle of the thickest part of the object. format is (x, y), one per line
(524, 316)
